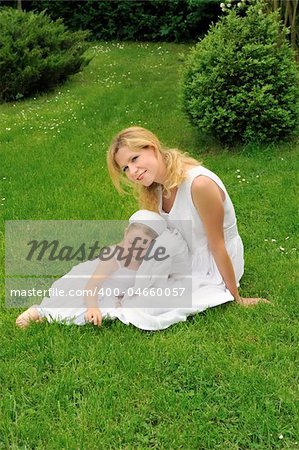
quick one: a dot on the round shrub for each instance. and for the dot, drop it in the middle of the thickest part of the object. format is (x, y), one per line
(241, 81)
(36, 53)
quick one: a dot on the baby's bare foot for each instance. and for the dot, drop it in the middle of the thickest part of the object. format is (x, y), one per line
(30, 315)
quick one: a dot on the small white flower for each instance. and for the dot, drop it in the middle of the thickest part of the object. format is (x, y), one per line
(288, 237)
(243, 179)
(273, 240)
(266, 240)
(282, 249)
(229, 5)
(238, 176)
(8, 129)
(222, 5)
(238, 170)
(239, 4)
(280, 436)
(257, 176)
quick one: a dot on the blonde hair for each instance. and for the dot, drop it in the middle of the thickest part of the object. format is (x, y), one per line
(136, 139)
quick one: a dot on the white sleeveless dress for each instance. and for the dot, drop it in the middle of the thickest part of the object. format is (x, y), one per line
(207, 283)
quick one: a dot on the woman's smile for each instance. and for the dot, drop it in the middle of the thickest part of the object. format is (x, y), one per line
(141, 176)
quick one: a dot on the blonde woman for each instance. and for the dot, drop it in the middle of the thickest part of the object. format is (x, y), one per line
(179, 188)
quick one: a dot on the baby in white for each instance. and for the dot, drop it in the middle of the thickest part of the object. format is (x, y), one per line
(108, 280)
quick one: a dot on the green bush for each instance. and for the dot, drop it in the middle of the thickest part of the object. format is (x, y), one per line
(138, 20)
(36, 53)
(241, 81)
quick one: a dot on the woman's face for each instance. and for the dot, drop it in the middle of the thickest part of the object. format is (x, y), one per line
(143, 167)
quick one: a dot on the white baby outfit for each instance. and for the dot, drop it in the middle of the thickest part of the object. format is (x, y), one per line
(138, 310)
(71, 308)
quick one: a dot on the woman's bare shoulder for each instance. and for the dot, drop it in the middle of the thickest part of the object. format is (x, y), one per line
(205, 191)
(202, 183)
(204, 187)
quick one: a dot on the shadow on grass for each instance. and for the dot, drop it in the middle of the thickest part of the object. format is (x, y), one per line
(210, 146)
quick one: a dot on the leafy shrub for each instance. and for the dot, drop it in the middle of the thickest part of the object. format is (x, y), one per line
(36, 53)
(241, 81)
(138, 20)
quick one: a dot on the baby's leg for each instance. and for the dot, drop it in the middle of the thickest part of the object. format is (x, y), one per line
(30, 315)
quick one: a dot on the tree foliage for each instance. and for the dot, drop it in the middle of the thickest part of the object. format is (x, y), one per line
(138, 20)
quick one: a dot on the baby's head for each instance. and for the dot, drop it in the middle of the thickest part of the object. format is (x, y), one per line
(144, 227)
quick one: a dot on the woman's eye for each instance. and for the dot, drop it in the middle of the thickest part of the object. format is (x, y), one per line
(125, 169)
(134, 158)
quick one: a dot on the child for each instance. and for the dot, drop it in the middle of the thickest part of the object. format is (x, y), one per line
(110, 278)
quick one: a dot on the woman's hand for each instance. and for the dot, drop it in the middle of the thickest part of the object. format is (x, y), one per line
(94, 315)
(250, 301)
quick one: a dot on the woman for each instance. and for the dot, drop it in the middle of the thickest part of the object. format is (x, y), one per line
(180, 189)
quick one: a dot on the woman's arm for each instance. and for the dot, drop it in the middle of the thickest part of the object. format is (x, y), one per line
(208, 202)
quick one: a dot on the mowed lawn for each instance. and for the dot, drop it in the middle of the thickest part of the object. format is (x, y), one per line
(226, 379)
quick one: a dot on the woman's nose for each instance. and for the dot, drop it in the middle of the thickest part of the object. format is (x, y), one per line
(132, 169)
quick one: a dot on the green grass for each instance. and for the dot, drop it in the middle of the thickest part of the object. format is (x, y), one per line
(226, 379)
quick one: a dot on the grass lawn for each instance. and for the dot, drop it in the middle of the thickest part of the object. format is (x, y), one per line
(226, 379)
